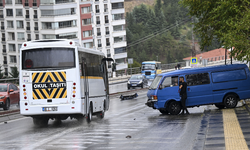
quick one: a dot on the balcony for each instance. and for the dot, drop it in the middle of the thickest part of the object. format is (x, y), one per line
(1, 16)
(4, 50)
(106, 21)
(28, 39)
(34, 4)
(97, 11)
(97, 22)
(108, 55)
(5, 62)
(108, 43)
(35, 16)
(3, 39)
(1, 4)
(99, 45)
(2, 27)
(26, 4)
(36, 28)
(27, 16)
(99, 34)
(107, 32)
(27, 28)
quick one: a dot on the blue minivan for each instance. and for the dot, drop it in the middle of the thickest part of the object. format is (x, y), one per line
(223, 86)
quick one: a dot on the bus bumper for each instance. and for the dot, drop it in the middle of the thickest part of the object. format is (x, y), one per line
(29, 110)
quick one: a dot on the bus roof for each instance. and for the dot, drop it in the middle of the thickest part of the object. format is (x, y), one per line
(58, 43)
(204, 69)
(150, 62)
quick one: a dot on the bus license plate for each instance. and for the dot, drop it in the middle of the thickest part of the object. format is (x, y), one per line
(49, 108)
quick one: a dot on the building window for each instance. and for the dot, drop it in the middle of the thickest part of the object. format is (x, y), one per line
(120, 50)
(12, 59)
(28, 37)
(9, 12)
(11, 35)
(107, 30)
(86, 9)
(37, 36)
(10, 24)
(88, 45)
(86, 21)
(99, 43)
(19, 24)
(18, 1)
(97, 10)
(108, 53)
(119, 28)
(12, 48)
(98, 20)
(107, 42)
(6, 71)
(105, 8)
(19, 12)
(118, 16)
(8, 1)
(119, 39)
(98, 32)
(58, 12)
(87, 33)
(20, 36)
(106, 19)
(117, 5)
(120, 61)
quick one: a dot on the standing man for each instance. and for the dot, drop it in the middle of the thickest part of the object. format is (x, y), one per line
(183, 94)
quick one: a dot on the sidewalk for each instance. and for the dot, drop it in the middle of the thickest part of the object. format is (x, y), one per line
(225, 129)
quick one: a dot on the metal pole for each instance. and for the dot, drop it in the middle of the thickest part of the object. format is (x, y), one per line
(130, 70)
(225, 56)
(193, 46)
(231, 56)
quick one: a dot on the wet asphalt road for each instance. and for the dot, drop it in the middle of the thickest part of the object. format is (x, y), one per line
(128, 124)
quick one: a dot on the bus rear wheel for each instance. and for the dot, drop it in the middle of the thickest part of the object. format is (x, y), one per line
(89, 117)
(174, 108)
(230, 101)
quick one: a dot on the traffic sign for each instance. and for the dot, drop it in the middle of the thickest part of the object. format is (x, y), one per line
(193, 60)
(130, 60)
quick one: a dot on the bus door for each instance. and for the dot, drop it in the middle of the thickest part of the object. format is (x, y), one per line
(85, 85)
(105, 78)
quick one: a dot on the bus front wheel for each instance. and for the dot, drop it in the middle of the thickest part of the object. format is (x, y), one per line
(174, 108)
(230, 101)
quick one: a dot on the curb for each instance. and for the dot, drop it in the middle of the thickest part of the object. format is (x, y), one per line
(9, 112)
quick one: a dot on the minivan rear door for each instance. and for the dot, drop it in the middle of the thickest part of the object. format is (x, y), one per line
(199, 89)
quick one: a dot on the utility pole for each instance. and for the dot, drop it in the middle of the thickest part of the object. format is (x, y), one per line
(193, 46)
(225, 56)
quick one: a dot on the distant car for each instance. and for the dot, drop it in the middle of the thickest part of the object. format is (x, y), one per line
(137, 81)
(9, 94)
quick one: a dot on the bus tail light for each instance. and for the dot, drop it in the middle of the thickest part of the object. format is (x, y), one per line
(74, 90)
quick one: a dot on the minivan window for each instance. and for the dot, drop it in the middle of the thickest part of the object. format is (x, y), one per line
(155, 82)
(170, 81)
(229, 75)
(197, 79)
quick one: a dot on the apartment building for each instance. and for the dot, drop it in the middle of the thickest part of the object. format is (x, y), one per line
(95, 24)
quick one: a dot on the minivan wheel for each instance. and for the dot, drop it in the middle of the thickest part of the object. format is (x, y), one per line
(230, 101)
(7, 105)
(174, 108)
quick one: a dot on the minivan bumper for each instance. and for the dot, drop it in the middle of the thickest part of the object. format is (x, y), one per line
(150, 103)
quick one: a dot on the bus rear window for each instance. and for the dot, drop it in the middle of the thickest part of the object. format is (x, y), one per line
(48, 58)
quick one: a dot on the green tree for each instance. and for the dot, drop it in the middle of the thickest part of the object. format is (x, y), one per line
(226, 20)
(14, 72)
